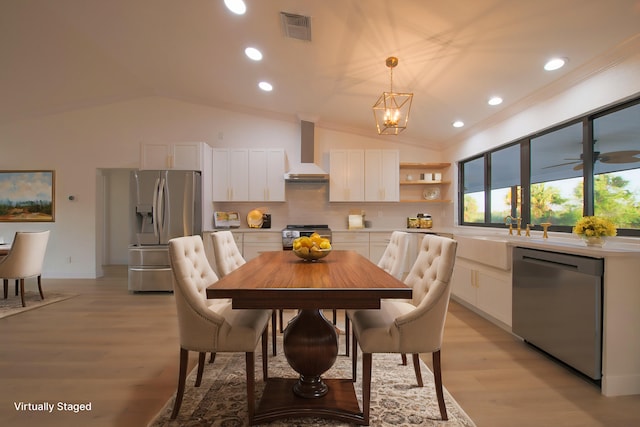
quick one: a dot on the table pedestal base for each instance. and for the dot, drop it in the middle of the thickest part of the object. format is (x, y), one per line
(279, 401)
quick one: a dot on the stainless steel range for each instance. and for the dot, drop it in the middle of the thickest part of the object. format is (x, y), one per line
(292, 232)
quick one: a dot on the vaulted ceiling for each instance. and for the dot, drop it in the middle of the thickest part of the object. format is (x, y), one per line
(453, 55)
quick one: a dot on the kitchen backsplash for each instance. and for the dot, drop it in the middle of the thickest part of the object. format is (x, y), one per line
(308, 203)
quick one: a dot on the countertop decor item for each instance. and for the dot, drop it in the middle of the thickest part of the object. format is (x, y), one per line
(594, 230)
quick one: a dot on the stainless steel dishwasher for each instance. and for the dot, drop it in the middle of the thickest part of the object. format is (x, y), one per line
(557, 306)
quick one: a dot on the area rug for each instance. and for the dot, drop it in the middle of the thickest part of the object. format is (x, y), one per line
(13, 304)
(396, 400)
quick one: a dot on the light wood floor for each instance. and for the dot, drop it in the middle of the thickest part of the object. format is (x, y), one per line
(119, 352)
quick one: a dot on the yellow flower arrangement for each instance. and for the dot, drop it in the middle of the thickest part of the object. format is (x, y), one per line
(594, 226)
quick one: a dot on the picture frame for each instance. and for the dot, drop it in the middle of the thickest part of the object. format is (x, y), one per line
(27, 196)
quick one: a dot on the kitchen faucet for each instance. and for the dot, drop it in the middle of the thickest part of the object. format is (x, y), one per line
(508, 220)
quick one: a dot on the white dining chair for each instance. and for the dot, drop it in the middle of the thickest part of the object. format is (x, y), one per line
(392, 261)
(211, 328)
(409, 327)
(24, 260)
(228, 258)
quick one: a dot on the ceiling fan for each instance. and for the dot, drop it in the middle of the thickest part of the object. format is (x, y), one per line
(619, 157)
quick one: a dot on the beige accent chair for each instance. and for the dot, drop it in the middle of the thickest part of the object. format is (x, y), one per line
(228, 258)
(414, 326)
(392, 261)
(211, 328)
(24, 260)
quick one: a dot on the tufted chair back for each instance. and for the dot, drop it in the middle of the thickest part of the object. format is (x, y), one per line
(393, 258)
(430, 278)
(26, 257)
(199, 326)
(227, 254)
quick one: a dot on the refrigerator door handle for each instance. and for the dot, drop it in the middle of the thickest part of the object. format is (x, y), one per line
(154, 208)
(161, 209)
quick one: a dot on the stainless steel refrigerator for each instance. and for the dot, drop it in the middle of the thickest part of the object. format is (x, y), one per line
(165, 204)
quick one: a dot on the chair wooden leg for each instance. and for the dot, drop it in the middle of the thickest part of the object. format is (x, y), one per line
(404, 359)
(22, 292)
(437, 374)
(347, 335)
(5, 282)
(265, 340)
(251, 385)
(366, 386)
(273, 331)
(354, 358)
(335, 316)
(416, 368)
(182, 376)
(212, 358)
(201, 357)
(40, 286)
(17, 283)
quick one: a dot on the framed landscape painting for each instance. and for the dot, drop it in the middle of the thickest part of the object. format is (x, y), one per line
(27, 196)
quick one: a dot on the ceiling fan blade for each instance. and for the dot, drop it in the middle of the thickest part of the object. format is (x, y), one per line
(562, 164)
(625, 156)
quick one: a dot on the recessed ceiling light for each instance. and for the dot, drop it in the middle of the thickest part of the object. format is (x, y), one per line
(236, 6)
(458, 124)
(267, 87)
(555, 63)
(253, 53)
(495, 100)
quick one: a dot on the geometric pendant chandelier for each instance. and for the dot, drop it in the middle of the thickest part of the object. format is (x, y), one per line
(392, 109)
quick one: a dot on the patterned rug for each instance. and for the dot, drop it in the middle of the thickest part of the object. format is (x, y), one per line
(13, 304)
(396, 400)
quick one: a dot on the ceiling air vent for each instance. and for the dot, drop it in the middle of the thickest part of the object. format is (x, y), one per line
(296, 26)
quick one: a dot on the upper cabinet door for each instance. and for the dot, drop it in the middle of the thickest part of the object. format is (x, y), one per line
(382, 175)
(266, 175)
(346, 176)
(177, 156)
(230, 175)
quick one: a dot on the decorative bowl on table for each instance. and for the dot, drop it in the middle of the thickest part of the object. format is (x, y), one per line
(311, 254)
(311, 248)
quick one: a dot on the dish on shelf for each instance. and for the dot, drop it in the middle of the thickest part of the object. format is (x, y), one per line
(254, 218)
(431, 193)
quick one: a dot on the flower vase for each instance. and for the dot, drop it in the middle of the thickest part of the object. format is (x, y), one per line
(594, 241)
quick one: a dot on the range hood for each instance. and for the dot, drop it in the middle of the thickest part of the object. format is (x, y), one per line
(307, 170)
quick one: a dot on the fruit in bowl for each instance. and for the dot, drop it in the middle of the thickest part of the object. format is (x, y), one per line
(311, 248)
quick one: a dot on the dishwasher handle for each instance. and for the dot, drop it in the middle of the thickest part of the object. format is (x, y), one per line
(577, 263)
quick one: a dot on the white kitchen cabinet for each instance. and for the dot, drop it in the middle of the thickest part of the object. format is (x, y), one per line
(351, 241)
(230, 175)
(382, 175)
(177, 156)
(266, 175)
(260, 241)
(346, 176)
(485, 288)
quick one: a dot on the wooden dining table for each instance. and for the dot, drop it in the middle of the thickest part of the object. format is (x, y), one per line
(281, 280)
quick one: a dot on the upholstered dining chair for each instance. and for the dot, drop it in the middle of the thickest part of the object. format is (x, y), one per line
(211, 328)
(24, 260)
(228, 258)
(392, 261)
(410, 327)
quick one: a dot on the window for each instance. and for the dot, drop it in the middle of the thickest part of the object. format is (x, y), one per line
(473, 185)
(505, 184)
(587, 167)
(616, 167)
(556, 177)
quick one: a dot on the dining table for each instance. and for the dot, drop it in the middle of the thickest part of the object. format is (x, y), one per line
(281, 280)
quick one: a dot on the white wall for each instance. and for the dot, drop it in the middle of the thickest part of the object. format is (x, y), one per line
(83, 145)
